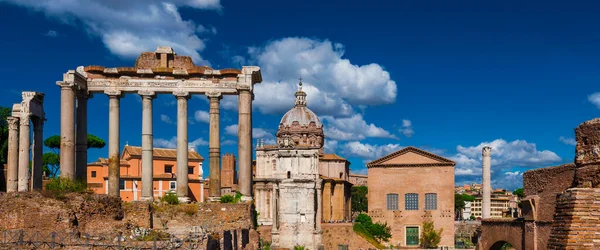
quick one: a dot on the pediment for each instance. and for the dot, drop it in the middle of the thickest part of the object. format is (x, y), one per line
(411, 156)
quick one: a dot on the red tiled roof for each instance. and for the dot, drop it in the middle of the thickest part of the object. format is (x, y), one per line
(161, 153)
(331, 157)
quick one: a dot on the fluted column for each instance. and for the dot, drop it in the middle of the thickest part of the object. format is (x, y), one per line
(214, 152)
(38, 151)
(24, 147)
(12, 172)
(245, 142)
(81, 137)
(182, 145)
(487, 188)
(114, 155)
(147, 147)
(67, 131)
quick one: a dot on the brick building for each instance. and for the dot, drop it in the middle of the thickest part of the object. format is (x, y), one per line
(164, 174)
(408, 187)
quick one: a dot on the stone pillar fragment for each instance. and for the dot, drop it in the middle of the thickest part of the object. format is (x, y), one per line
(245, 142)
(12, 175)
(487, 188)
(147, 147)
(24, 153)
(38, 151)
(81, 138)
(67, 131)
(114, 156)
(319, 200)
(182, 145)
(215, 145)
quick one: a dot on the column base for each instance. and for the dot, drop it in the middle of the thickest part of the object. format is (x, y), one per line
(214, 199)
(247, 198)
(184, 200)
(150, 199)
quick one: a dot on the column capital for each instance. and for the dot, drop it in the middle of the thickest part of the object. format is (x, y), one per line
(181, 94)
(64, 85)
(147, 94)
(214, 95)
(25, 118)
(13, 122)
(113, 93)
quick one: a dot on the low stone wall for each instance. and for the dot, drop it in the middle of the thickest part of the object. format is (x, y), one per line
(577, 220)
(335, 234)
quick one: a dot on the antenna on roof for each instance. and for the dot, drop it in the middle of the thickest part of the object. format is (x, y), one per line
(126, 143)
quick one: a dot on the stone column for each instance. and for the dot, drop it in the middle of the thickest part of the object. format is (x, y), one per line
(487, 188)
(24, 147)
(114, 155)
(67, 131)
(12, 172)
(182, 145)
(319, 211)
(215, 145)
(147, 147)
(38, 151)
(81, 137)
(245, 142)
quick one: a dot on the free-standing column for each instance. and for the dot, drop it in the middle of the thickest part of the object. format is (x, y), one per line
(214, 145)
(114, 157)
(182, 145)
(245, 142)
(319, 201)
(81, 144)
(67, 131)
(487, 188)
(24, 147)
(38, 151)
(12, 175)
(147, 148)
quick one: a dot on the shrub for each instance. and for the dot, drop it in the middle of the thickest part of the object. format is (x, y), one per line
(189, 209)
(363, 219)
(264, 245)
(380, 231)
(170, 198)
(66, 185)
(430, 238)
(300, 248)
(227, 198)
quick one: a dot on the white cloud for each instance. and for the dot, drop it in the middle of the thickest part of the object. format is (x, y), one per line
(128, 28)
(51, 33)
(166, 119)
(333, 84)
(202, 116)
(352, 128)
(406, 128)
(257, 133)
(330, 146)
(595, 99)
(568, 141)
(228, 142)
(172, 143)
(367, 151)
(505, 155)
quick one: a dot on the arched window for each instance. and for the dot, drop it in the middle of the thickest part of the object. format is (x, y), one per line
(411, 201)
(392, 202)
(430, 201)
(289, 175)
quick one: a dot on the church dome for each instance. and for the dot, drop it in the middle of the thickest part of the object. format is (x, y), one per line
(300, 127)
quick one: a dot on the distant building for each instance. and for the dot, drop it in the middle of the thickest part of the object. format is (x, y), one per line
(409, 187)
(466, 212)
(358, 179)
(165, 169)
(500, 207)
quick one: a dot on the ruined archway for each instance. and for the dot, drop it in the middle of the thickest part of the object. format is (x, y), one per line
(502, 245)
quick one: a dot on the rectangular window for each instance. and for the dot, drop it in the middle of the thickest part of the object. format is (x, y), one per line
(121, 184)
(93, 173)
(168, 169)
(431, 201)
(190, 170)
(392, 202)
(173, 185)
(411, 201)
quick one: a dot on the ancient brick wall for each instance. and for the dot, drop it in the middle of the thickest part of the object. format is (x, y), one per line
(214, 217)
(546, 183)
(335, 234)
(577, 220)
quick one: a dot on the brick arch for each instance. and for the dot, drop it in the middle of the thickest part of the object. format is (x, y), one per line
(496, 232)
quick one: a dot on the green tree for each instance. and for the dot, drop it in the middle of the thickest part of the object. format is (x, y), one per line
(519, 192)
(4, 113)
(459, 203)
(51, 160)
(430, 238)
(359, 200)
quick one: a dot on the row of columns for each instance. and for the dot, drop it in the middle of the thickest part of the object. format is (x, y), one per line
(19, 146)
(68, 152)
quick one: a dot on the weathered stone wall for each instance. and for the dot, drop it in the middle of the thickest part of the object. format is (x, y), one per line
(501, 230)
(546, 183)
(587, 154)
(335, 234)
(577, 220)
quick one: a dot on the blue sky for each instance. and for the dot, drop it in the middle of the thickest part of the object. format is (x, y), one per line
(445, 76)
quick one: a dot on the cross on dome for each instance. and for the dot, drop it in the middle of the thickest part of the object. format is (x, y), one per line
(300, 96)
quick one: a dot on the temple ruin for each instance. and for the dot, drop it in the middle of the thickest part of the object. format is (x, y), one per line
(30, 110)
(159, 72)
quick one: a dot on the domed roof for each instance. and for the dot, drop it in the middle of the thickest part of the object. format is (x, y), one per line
(300, 113)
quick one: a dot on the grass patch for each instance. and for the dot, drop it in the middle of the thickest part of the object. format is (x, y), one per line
(170, 198)
(361, 230)
(231, 199)
(189, 209)
(58, 187)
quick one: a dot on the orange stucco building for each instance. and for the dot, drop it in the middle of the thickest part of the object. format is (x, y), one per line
(164, 176)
